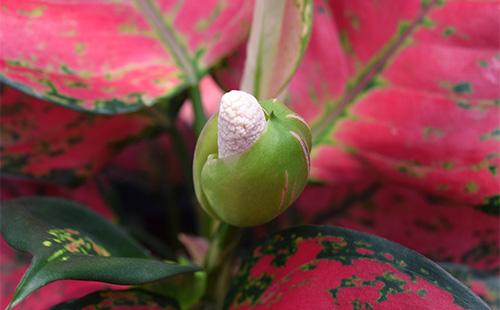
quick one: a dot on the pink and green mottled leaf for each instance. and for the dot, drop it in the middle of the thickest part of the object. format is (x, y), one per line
(325, 267)
(133, 299)
(47, 141)
(442, 230)
(407, 89)
(112, 57)
(278, 38)
(69, 242)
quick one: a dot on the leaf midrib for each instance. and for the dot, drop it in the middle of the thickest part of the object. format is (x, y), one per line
(327, 121)
(168, 39)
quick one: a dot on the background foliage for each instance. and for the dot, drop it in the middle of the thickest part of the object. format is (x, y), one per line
(402, 98)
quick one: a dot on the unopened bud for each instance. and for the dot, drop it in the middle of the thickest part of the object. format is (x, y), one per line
(251, 160)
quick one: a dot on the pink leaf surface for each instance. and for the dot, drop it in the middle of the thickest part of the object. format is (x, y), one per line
(87, 193)
(407, 89)
(441, 230)
(113, 57)
(323, 267)
(48, 141)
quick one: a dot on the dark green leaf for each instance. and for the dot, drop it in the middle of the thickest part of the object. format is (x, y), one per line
(69, 241)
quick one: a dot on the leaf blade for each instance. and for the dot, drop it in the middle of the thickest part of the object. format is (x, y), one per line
(106, 57)
(329, 265)
(69, 241)
(278, 38)
(45, 141)
(356, 86)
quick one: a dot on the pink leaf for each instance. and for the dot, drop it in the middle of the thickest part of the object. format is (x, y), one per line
(408, 90)
(318, 267)
(113, 57)
(441, 230)
(48, 141)
(87, 193)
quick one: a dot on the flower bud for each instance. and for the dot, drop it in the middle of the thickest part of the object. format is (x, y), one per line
(251, 160)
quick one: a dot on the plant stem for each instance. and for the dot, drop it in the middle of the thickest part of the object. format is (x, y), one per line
(218, 262)
(204, 221)
(199, 115)
(182, 152)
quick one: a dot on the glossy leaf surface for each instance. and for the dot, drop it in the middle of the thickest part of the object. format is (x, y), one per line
(112, 57)
(318, 267)
(442, 230)
(407, 89)
(126, 299)
(71, 242)
(42, 140)
(15, 263)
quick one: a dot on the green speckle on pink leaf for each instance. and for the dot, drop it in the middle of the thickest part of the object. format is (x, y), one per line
(471, 187)
(448, 31)
(462, 88)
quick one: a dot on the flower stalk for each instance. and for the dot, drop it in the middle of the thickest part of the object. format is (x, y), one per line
(218, 263)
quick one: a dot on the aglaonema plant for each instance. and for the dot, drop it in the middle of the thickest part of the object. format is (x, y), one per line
(252, 159)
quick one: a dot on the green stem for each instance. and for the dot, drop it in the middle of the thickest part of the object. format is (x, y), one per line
(182, 152)
(199, 115)
(165, 121)
(204, 221)
(218, 263)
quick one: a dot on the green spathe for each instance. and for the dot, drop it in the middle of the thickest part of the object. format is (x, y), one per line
(254, 187)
